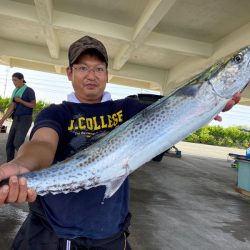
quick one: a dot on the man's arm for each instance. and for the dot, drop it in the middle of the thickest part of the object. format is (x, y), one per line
(31, 104)
(33, 155)
(7, 113)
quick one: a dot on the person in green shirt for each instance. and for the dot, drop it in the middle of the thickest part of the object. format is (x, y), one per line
(21, 106)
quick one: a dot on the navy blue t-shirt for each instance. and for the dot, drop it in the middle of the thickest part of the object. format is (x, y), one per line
(86, 213)
(28, 96)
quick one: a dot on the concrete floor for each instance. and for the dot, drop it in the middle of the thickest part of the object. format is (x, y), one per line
(186, 203)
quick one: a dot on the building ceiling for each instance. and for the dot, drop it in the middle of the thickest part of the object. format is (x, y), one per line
(153, 44)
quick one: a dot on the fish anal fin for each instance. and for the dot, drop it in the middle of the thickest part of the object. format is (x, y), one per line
(113, 186)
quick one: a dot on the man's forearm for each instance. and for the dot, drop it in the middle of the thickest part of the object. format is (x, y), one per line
(8, 113)
(35, 155)
(29, 104)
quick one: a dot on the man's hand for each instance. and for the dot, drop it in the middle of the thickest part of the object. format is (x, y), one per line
(17, 190)
(33, 155)
(235, 99)
(18, 99)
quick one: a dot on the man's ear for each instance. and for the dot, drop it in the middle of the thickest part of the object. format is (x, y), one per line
(69, 73)
(107, 77)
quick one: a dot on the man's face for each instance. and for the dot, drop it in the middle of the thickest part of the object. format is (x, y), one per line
(89, 77)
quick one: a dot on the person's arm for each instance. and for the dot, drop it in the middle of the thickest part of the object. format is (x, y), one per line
(33, 155)
(31, 104)
(235, 99)
(8, 113)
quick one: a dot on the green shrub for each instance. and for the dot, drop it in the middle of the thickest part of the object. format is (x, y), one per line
(4, 103)
(39, 106)
(217, 135)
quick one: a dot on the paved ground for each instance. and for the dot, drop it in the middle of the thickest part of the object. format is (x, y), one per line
(186, 203)
(189, 203)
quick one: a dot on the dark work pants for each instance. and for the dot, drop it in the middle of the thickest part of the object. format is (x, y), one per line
(36, 234)
(18, 131)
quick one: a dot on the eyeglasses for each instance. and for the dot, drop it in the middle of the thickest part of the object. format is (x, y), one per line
(84, 69)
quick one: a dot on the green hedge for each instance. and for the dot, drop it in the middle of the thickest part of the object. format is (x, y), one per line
(4, 103)
(217, 135)
(39, 106)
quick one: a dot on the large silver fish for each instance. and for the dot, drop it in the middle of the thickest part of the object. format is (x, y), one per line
(169, 120)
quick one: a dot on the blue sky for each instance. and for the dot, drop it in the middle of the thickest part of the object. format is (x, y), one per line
(54, 88)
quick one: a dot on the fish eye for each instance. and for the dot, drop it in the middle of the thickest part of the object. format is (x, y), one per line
(238, 58)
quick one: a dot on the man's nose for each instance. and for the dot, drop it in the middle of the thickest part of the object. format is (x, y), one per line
(91, 73)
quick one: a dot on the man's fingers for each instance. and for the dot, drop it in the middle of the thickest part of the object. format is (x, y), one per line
(4, 190)
(218, 118)
(237, 97)
(17, 191)
(232, 102)
(229, 105)
(14, 189)
(22, 197)
(31, 195)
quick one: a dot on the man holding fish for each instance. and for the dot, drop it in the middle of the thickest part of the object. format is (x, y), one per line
(79, 219)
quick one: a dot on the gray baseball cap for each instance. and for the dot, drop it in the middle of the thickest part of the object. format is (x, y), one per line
(84, 43)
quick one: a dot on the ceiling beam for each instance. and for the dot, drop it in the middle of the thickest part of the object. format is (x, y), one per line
(192, 65)
(44, 9)
(58, 69)
(139, 72)
(18, 10)
(120, 32)
(180, 45)
(30, 52)
(39, 54)
(87, 25)
(5, 60)
(151, 16)
(123, 33)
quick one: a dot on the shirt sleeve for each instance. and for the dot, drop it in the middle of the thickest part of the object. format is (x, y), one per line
(51, 117)
(31, 94)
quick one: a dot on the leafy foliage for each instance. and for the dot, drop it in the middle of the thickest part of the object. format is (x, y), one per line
(217, 135)
(39, 106)
(4, 103)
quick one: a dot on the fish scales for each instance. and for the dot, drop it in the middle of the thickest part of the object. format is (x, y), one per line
(158, 127)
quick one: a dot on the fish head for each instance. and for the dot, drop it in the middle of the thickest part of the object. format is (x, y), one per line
(231, 74)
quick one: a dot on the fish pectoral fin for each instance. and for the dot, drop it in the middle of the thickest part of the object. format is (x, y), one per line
(113, 186)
